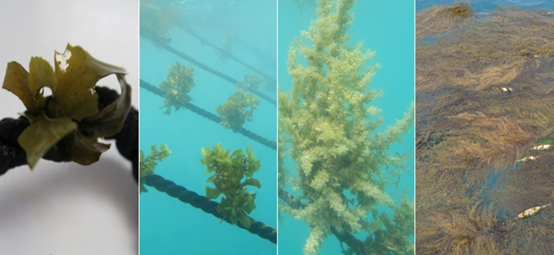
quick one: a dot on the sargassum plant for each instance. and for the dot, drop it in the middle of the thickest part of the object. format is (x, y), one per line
(339, 153)
(71, 114)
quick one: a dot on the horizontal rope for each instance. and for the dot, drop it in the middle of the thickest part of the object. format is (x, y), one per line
(231, 56)
(206, 205)
(12, 155)
(208, 115)
(163, 44)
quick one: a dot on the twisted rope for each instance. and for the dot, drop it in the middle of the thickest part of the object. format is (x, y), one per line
(231, 56)
(159, 42)
(206, 205)
(12, 155)
(208, 115)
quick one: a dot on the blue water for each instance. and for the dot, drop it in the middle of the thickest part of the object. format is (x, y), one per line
(386, 27)
(168, 226)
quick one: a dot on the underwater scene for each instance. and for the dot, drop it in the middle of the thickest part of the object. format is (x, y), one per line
(484, 127)
(346, 133)
(208, 135)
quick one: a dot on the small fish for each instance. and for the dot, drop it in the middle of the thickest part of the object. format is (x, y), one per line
(505, 89)
(528, 159)
(543, 147)
(530, 212)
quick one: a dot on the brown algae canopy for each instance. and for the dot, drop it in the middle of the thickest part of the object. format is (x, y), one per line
(74, 103)
(438, 19)
(339, 154)
(485, 101)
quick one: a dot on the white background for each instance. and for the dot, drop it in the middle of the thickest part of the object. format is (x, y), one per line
(65, 208)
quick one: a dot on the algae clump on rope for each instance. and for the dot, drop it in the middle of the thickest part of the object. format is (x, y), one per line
(148, 163)
(177, 86)
(231, 174)
(339, 153)
(71, 115)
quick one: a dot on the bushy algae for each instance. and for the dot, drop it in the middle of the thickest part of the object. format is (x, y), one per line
(251, 81)
(148, 163)
(158, 17)
(229, 172)
(339, 152)
(177, 86)
(237, 109)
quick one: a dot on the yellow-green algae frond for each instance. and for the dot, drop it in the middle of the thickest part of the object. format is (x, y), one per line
(229, 172)
(158, 16)
(339, 153)
(237, 109)
(251, 81)
(148, 164)
(177, 86)
(74, 102)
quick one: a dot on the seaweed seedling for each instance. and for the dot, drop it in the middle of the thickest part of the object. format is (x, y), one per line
(252, 81)
(177, 86)
(71, 114)
(158, 17)
(148, 163)
(237, 109)
(229, 172)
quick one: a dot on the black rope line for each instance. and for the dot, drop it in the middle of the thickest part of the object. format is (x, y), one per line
(206, 205)
(208, 115)
(127, 140)
(206, 42)
(161, 43)
(12, 155)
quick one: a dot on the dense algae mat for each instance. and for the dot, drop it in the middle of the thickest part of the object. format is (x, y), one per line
(485, 102)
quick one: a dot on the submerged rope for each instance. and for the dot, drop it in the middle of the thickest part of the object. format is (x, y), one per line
(208, 115)
(153, 38)
(206, 205)
(231, 56)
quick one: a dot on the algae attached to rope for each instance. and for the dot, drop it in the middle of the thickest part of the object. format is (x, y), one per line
(329, 124)
(71, 114)
(148, 163)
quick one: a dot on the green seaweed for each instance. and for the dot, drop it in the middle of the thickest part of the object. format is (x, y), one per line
(237, 109)
(229, 172)
(159, 16)
(252, 81)
(73, 102)
(148, 164)
(177, 86)
(545, 141)
(342, 159)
